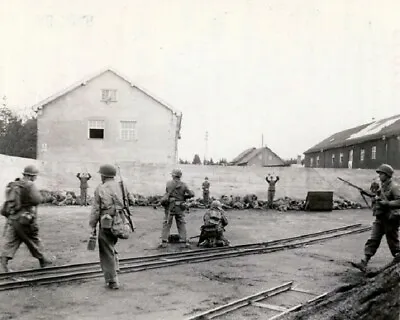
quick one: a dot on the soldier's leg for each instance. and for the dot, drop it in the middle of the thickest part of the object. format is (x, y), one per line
(270, 198)
(167, 223)
(108, 263)
(374, 241)
(83, 200)
(392, 236)
(11, 245)
(181, 226)
(29, 234)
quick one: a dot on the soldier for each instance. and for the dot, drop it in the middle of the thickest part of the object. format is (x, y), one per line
(177, 192)
(107, 200)
(387, 218)
(84, 178)
(212, 231)
(22, 224)
(271, 189)
(206, 191)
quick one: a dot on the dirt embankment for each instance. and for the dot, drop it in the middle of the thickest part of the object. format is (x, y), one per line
(377, 298)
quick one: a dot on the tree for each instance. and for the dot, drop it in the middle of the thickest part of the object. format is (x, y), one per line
(17, 137)
(196, 159)
(211, 162)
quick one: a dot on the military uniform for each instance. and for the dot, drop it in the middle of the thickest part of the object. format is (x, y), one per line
(107, 199)
(206, 191)
(271, 189)
(386, 205)
(212, 231)
(84, 186)
(22, 226)
(176, 193)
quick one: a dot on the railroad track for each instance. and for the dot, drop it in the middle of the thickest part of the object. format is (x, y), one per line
(260, 300)
(82, 271)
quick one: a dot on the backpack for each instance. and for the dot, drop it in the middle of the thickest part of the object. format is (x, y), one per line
(12, 204)
(214, 218)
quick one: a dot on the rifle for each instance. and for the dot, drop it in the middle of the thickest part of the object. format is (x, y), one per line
(125, 199)
(362, 191)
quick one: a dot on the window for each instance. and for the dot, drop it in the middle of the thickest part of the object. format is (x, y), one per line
(341, 157)
(44, 146)
(96, 129)
(128, 130)
(362, 155)
(109, 95)
(333, 159)
(351, 155)
(317, 161)
(311, 162)
(373, 152)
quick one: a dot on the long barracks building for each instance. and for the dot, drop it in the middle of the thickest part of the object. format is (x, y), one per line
(366, 147)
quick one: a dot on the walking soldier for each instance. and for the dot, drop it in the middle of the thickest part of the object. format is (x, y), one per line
(174, 203)
(20, 209)
(108, 202)
(84, 178)
(385, 204)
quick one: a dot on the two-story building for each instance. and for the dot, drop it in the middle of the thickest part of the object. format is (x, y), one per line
(107, 118)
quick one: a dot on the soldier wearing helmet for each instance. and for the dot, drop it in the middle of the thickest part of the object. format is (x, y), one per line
(386, 210)
(206, 191)
(212, 230)
(107, 199)
(21, 212)
(176, 194)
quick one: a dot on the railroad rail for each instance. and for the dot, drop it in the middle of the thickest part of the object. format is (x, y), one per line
(259, 300)
(82, 271)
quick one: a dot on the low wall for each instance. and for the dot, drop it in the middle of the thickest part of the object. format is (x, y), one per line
(147, 179)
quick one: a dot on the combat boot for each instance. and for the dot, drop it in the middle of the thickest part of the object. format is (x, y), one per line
(185, 244)
(362, 265)
(113, 285)
(4, 264)
(163, 244)
(45, 262)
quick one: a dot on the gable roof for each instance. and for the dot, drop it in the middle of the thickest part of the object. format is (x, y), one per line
(250, 153)
(83, 82)
(369, 131)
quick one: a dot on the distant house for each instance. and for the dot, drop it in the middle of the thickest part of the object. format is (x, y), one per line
(107, 118)
(366, 146)
(262, 157)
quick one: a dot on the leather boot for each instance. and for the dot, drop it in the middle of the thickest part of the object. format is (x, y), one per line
(45, 262)
(362, 265)
(4, 263)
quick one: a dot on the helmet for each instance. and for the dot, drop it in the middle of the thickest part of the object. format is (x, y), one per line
(386, 169)
(108, 170)
(216, 204)
(30, 170)
(206, 178)
(176, 173)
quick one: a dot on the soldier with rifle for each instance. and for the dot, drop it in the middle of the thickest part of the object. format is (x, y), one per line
(111, 211)
(385, 205)
(173, 201)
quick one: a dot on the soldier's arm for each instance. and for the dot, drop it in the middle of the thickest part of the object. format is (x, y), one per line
(78, 175)
(395, 203)
(267, 179)
(224, 220)
(34, 195)
(89, 176)
(277, 179)
(95, 212)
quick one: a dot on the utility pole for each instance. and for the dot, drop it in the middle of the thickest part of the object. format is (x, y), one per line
(206, 146)
(262, 140)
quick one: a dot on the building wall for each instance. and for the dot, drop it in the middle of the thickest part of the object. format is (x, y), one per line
(387, 151)
(63, 125)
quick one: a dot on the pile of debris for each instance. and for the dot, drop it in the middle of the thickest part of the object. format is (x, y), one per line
(368, 299)
(250, 201)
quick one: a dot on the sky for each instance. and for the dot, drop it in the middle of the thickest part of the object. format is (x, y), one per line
(290, 71)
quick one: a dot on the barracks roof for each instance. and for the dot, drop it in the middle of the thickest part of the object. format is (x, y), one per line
(366, 132)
